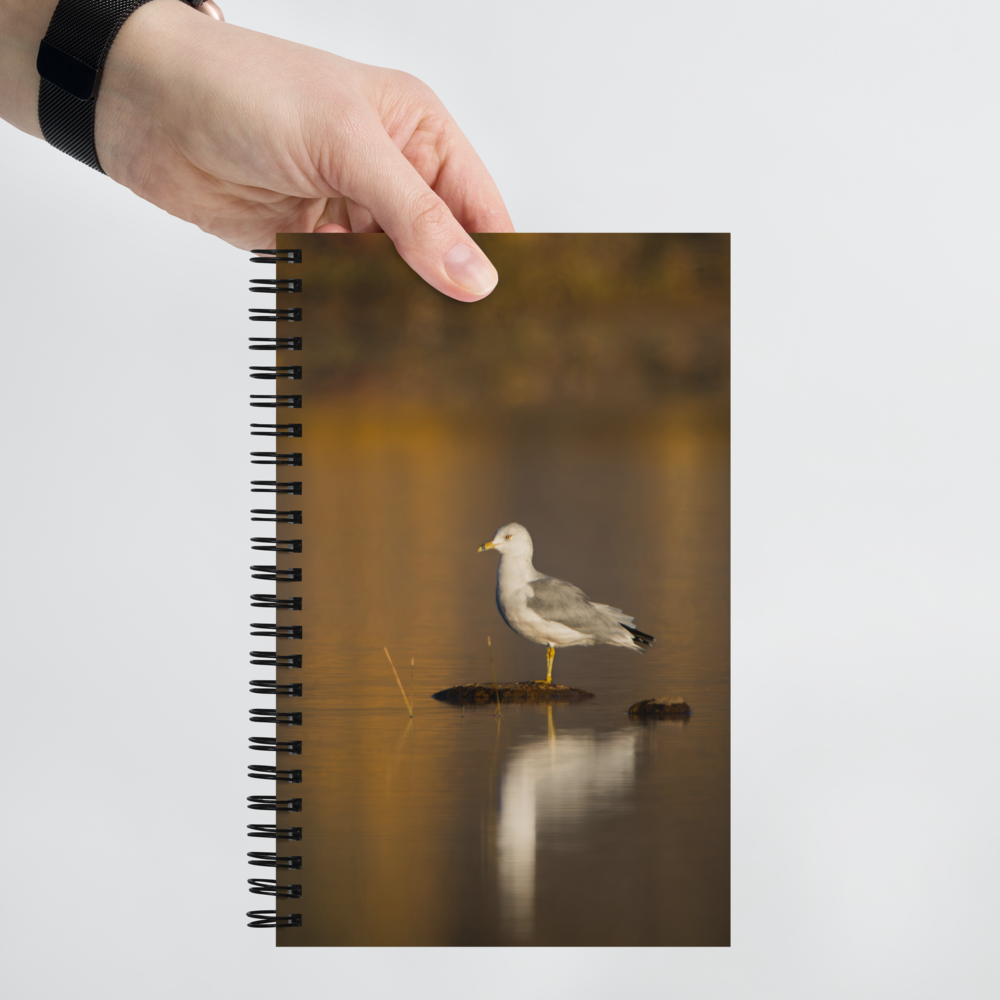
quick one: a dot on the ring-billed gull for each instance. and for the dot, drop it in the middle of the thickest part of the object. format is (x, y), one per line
(553, 612)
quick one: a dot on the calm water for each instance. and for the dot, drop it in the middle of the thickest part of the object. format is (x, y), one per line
(570, 825)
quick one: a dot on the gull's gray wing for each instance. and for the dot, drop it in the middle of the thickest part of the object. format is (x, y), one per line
(616, 613)
(562, 602)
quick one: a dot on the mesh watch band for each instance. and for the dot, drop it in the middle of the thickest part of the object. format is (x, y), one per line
(70, 62)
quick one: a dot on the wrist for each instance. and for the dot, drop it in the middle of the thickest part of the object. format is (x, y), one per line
(151, 66)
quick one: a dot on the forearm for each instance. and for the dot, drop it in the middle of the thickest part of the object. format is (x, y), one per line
(23, 24)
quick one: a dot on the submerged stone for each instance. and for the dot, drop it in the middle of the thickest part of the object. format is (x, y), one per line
(516, 693)
(660, 708)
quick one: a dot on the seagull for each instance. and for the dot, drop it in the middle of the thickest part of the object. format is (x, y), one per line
(553, 612)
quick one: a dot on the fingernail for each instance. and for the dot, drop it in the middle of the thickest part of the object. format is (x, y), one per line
(467, 266)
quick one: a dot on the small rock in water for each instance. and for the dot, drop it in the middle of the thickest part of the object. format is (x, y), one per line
(660, 708)
(517, 693)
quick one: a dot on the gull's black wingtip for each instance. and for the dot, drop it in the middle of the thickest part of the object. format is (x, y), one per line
(639, 638)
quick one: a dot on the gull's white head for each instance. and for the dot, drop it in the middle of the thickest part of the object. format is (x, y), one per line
(512, 539)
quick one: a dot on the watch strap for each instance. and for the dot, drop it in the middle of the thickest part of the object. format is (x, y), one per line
(70, 63)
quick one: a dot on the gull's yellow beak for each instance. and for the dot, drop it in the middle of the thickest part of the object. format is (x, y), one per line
(483, 548)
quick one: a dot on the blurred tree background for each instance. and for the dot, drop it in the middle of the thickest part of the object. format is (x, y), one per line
(577, 320)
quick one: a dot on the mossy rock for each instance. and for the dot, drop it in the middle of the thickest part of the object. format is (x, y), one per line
(660, 708)
(517, 693)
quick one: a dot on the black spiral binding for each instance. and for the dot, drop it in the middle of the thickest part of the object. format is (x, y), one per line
(271, 716)
(276, 315)
(273, 573)
(275, 343)
(272, 601)
(271, 803)
(278, 430)
(278, 544)
(276, 458)
(279, 516)
(277, 631)
(272, 744)
(273, 687)
(288, 402)
(270, 918)
(269, 887)
(278, 256)
(272, 832)
(267, 773)
(277, 371)
(276, 660)
(268, 859)
(272, 285)
(273, 486)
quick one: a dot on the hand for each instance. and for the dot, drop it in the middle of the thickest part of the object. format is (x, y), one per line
(246, 136)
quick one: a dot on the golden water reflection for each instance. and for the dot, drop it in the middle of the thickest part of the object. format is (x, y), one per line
(553, 785)
(568, 826)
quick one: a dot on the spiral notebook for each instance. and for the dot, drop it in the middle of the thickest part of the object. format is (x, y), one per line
(415, 779)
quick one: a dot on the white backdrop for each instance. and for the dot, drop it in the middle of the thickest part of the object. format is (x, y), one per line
(852, 152)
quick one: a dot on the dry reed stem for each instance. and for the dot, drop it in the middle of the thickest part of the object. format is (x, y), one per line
(494, 669)
(409, 708)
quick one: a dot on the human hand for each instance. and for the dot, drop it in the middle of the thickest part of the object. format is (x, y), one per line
(247, 135)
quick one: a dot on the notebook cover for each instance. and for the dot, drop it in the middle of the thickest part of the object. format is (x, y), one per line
(586, 399)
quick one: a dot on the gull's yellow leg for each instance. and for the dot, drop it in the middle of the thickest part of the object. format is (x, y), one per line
(550, 655)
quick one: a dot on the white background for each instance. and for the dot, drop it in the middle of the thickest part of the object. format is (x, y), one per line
(851, 150)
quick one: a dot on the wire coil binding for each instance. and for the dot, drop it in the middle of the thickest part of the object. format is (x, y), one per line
(279, 430)
(270, 887)
(277, 257)
(268, 859)
(269, 772)
(276, 458)
(280, 516)
(272, 285)
(273, 601)
(278, 544)
(275, 717)
(273, 573)
(275, 343)
(270, 918)
(268, 831)
(276, 316)
(272, 486)
(276, 659)
(272, 745)
(273, 372)
(288, 402)
(270, 803)
(277, 631)
(273, 687)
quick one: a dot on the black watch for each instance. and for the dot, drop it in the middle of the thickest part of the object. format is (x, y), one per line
(70, 62)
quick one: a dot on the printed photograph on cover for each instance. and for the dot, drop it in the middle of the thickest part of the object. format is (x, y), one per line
(507, 604)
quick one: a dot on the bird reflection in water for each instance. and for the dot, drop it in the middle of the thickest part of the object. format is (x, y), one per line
(552, 786)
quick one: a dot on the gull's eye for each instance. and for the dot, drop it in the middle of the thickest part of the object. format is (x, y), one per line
(508, 536)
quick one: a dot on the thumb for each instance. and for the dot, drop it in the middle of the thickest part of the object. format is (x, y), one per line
(420, 224)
